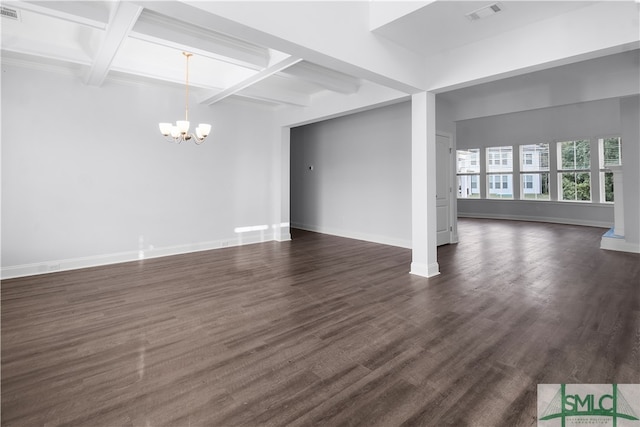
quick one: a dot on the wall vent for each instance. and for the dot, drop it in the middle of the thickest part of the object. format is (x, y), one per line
(10, 13)
(485, 11)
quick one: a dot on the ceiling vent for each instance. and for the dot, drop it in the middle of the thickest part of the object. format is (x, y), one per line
(10, 13)
(485, 11)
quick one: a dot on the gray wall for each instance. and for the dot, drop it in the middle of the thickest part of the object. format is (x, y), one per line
(360, 185)
(583, 120)
(588, 99)
(611, 76)
(87, 178)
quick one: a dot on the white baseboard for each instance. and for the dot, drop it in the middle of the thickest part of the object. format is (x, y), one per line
(107, 259)
(568, 221)
(424, 270)
(384, 240)
(282, 235)
(617, 244)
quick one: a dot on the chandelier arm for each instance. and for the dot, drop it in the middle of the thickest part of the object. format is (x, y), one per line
(176, 140)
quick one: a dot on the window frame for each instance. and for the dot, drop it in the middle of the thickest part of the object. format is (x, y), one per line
(540, 169)
(547, 169)
(562, 171)
(499, 172)
(604, 172)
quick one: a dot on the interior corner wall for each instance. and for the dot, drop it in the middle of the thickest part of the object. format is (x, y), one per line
(87, 178)
(351, 176)
(445, 116)
(576, 121)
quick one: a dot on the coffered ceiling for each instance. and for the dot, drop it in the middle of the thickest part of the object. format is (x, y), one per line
(128, 41)
(143, 41)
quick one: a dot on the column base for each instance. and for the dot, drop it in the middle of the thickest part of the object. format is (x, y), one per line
(424, 270)
(613, 242)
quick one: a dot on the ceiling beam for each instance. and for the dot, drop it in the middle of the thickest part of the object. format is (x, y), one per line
(270, 23)
(122, 20)
(157, 28)
(276, 96)
(214, 97)
(328, 79)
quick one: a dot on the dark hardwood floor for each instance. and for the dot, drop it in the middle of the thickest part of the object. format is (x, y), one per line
(323, 331)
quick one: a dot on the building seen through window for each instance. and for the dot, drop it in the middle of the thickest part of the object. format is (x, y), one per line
(468, 172)
(499, 172)
(534, 171)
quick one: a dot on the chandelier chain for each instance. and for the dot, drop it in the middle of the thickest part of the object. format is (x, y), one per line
(186, 101)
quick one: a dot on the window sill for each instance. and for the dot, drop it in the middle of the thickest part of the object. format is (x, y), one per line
(552, 202)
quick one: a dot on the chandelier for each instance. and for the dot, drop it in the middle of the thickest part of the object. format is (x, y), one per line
(180, 131)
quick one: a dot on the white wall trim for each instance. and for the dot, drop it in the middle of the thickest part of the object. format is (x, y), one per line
(568, 221)
(54, 266)
(618, 244)
(384, 240)
(282, 236)
(424, 270)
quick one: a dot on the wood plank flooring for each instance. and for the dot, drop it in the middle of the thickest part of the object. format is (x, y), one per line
(323, 331)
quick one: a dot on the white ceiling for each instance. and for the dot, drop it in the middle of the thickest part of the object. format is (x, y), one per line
(442, 25)
(131, 41)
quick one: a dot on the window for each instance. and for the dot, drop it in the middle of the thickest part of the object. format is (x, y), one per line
(528, 159)
(544, 158)
(534, 172)
(609, 152)
(468, 172)
(499, 161)
(578, 166)
(574, 176)
(528, 182)
(609, 155)
(492, 159)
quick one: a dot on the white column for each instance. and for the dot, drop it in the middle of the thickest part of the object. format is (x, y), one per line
(423, 185)
(618, 201)
(282, 177)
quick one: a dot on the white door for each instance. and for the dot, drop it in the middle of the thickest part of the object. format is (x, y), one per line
(443, 188)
